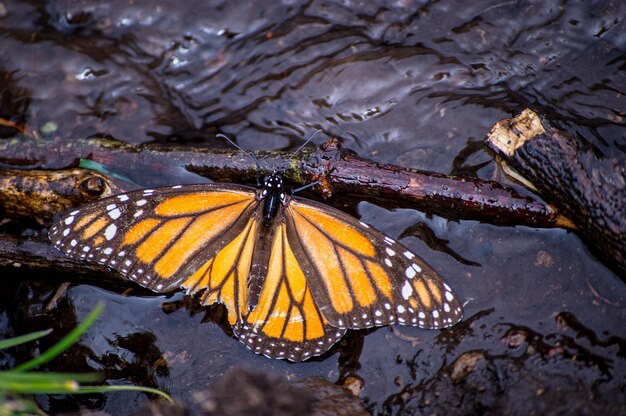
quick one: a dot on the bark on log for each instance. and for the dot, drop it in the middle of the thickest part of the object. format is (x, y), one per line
(589, 190)
(40, 194)
(38, 256)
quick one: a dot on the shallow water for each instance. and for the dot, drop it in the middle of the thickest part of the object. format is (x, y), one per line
(416, 84)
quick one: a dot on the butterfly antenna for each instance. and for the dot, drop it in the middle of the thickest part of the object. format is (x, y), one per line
(302, 188)
(250, 155)
(307, 141)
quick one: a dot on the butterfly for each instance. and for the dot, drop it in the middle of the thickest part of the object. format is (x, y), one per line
(294, 274)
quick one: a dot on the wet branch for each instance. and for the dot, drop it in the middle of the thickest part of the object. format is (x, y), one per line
(340, 173)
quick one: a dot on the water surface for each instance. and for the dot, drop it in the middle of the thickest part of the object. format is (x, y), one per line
(414, 83)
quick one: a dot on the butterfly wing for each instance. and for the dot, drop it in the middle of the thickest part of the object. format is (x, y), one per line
(200, 237)
(286, 322)
(362, 277)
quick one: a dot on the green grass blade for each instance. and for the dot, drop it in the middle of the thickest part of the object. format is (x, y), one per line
(59, 383)
(34, 377)
(108, 389)
(19, 381)
(41, 387)
(65, 343)
(12, 342)
(71, 387)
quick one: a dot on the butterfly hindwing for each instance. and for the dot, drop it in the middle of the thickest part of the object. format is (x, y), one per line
(286, 322)
(362, 277)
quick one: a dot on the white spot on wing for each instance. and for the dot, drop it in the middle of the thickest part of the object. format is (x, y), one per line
(407, 290)
(110, 231)
(115, 213)
(410, 272)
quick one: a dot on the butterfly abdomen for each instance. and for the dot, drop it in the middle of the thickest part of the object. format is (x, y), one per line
(260, 263)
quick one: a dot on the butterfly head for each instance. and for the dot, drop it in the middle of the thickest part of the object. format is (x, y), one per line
(273, 193)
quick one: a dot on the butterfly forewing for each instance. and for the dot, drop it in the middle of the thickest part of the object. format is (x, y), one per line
(364, 278)
(156, 237)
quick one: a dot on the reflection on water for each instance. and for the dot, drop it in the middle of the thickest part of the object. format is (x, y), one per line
(414, 83)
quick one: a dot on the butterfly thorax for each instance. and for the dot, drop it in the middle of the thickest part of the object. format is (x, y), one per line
(273, 196)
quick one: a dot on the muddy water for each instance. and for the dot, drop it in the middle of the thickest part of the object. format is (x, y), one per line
(417, 84)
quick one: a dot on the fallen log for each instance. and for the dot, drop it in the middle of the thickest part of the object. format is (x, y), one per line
(589, 190)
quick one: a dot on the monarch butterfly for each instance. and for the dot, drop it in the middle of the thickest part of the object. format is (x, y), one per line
(294, 274)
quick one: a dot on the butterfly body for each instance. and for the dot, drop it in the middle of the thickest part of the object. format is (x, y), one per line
(294, 274)
(273, 198)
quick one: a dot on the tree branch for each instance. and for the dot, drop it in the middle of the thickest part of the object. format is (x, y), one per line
(340, 173)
